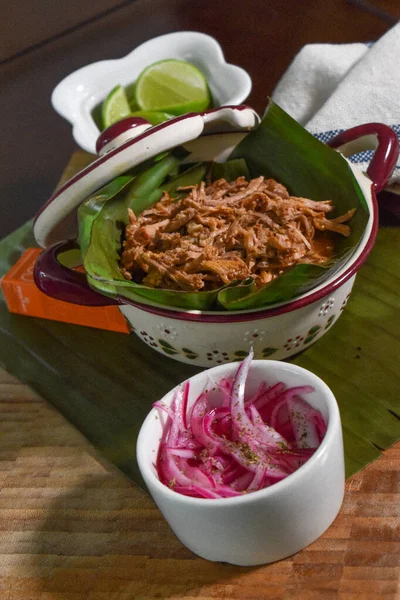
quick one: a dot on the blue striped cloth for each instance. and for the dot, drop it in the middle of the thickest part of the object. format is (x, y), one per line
(329, 88)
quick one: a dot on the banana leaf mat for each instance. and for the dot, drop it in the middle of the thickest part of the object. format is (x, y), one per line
(105, 382)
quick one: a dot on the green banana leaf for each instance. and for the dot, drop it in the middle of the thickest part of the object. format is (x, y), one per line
(105, 382)
(230, 170)
(279, 148)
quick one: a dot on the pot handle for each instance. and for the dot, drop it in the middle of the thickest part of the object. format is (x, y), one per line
(62, 283)
(370, 136)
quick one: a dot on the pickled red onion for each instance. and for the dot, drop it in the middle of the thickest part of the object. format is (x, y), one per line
(243, 445)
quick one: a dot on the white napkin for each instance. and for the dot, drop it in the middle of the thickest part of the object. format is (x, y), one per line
(332, 87)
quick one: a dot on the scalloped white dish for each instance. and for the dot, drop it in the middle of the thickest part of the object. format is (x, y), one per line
(76, 96)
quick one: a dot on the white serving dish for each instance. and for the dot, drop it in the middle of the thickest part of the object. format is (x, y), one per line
(198, 337)
(266, 525)
(76, 96)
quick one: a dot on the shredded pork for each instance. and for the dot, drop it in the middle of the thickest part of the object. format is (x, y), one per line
(225, 232)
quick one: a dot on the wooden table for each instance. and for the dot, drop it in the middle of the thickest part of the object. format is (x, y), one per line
(262, 36)
(72, 527)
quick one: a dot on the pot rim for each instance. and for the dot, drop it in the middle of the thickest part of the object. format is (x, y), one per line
(239, 118)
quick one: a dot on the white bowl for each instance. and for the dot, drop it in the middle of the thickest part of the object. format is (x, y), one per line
(76, 96)
(267, 525)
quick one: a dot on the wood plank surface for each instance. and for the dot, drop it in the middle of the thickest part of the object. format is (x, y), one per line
(72, 527)
(262, 36)
(387, 11)
(31, 23)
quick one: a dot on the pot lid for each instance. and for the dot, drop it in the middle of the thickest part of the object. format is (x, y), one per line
(124, 145)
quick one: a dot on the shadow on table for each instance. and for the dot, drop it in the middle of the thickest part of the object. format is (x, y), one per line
(107, 539)
(389, 209)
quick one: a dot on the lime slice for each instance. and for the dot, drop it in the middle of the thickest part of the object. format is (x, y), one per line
(172, 86)
(115, 107)
(155, 118)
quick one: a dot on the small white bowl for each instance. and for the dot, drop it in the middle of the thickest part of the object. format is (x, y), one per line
(267, 525)
(76, 96)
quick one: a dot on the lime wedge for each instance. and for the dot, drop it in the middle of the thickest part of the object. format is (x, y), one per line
(115, 107)
(155, 118)
(172, 86)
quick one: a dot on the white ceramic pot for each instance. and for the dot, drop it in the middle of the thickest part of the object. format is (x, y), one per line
(213, 342)
(207, 338)
(267, 525)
